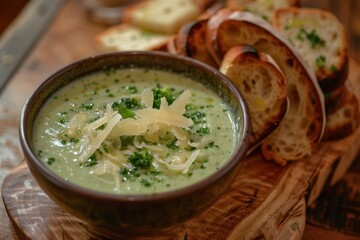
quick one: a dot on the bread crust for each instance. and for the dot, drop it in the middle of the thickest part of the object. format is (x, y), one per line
(191, 42)
(228, 28)
(345, 119)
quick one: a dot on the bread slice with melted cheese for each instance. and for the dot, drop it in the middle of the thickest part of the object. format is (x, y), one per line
(302, 127)
(263, 85)
(262, 8)
(320, 38)
(163, 16)
(126, 37)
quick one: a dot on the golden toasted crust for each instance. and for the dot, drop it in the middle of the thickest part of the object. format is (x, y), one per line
(263, 86)
(344, 120)
(320, 38)
(191, 42)
(303, 126)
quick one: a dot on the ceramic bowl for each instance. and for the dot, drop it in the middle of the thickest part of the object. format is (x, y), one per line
(136, 213)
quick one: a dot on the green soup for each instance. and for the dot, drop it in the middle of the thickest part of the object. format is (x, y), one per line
(134, 131)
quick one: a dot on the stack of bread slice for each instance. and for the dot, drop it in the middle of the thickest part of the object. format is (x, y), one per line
(292, 73)
(322, 41)
(148, 25)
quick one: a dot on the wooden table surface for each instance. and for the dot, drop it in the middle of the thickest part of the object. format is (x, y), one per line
(67, 39)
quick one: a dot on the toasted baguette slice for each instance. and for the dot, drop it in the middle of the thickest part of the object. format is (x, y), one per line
(344, 120)
(335, 99)
(125, 37)
(303, 126)
(191, 42)
(320, 38)
(263, 86)
(163, 16)
(262, 8)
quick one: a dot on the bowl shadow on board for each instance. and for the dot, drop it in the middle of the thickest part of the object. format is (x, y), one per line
(137, 214)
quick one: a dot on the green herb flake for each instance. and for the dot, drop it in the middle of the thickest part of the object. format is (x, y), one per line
(172, 145)
(108, 71)
(87, 106)
(145, 182)
(159, 93)
(131, 89)
(312, 36)
(141, 159)
(333, 68)
(203, 131)
(211, 145)
(197, 117)
(39, 153)
(126, 141)
(50, 160)
(320, 61)
(74, 140)
(92, 161)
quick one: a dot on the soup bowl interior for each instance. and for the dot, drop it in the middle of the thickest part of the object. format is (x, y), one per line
(146, 212)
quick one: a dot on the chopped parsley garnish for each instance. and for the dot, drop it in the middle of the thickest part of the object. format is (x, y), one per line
(87, 106)
(92, 161)
(50, 160)
(320, 61)
(141, 159)
(203, 131)
(172, 145)
(39, 153)
(159, 93)
(333, 68)
(108, 71)
(131, 89)
(211, 145)
(130, 103)
(314, 39)
(197, 117)
(63, 117)
(145, 182)
(126, 141)
(124, 107)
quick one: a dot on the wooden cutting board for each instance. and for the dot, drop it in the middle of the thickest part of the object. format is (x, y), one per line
(265, 200)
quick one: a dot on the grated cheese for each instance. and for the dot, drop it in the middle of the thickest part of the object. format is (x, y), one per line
(150, 123)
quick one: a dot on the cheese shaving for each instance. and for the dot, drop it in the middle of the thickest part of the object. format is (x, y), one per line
(150, 124)
(96, 143)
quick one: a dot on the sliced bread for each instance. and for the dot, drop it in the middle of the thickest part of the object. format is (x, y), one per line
(262, 8)
(163, 16)
(263, 86)
(191, 42)
(320, 38)
(125, 37)
(303, 126)
(343, 120)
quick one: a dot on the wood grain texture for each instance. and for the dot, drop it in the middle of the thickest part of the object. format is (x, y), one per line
(338, 208)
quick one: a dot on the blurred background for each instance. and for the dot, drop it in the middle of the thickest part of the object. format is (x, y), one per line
(346, 10)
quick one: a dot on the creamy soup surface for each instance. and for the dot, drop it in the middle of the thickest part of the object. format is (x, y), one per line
(134, 131)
